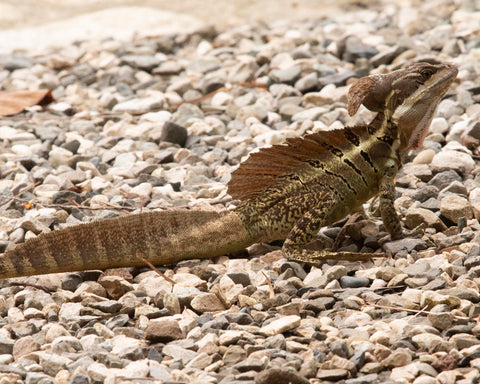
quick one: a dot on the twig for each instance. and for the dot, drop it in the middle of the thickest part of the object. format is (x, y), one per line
(421, 311)
(10, 198)
(18, 284)
(122, 311)
(338, 290)
(270, 286)
(139, 256)
(222, 89)
(129, 379)
(73, 202)
(65, 206)
(417, 311)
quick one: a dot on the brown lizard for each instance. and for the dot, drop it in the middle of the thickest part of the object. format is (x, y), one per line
(289, 191)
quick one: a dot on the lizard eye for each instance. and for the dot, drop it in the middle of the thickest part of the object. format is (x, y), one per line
(426, 74)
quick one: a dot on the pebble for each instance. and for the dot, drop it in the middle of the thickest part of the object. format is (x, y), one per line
(163, 331)
(453, 160)
(207, 302)
(453, 207)
(281, 325)
(140, 105)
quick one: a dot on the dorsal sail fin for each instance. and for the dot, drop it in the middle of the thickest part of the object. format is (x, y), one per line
(261, 168)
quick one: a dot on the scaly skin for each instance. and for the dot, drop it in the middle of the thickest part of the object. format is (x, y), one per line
(290, 191)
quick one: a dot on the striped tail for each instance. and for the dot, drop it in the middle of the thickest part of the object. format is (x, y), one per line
(162, 237)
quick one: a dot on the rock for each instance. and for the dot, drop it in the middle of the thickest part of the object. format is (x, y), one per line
(280, 376)
(398, 358)
(447, 108)
(60, 156)
(280, 325)
(179, 353)
(454, 207)
(404, 245)
(251, 364)
(24, 346)
(431, 299)
(174, 133)
(66, 344)
(353, 282)
(442, 320)
(354, 52)
(115, 286)
(287, 75)
(444, 179)
(444, 363)
(140, 105)
(163, 331)
(233, 355)
(207, 302)
(453, 160)
(313, 278)
(418, 216)
(145, 62)
(332, 374)
(307, 83)
(309, 114)
(427, 341)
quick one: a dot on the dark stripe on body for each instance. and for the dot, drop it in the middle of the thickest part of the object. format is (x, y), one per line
(366, 157)
(351, 137)
(341, 178)
(351, 165)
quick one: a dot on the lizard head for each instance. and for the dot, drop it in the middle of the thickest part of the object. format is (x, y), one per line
(408, 97)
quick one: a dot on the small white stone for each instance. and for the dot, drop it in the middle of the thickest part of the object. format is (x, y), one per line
(357, 319)
(60, 156)
(221, 99)
(125, 159)
(314, 277)
(139, 368)
(143, 189)
(427, 340)
(140, 105)
(280, 325)
(70, 311)
(453, 207)
(439, 125)
(230, 337)
(310, 114)
(157, 117)
(455, 160)
(12, 134)
(405, 374)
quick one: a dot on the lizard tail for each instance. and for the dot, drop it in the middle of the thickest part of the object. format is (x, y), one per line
(162, 237)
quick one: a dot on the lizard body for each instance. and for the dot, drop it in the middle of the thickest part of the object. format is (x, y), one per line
(289, 191)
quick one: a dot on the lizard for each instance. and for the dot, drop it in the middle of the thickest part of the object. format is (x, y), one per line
(287, 191)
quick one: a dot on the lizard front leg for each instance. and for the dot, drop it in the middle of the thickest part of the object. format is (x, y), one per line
(391, 221)
(306, 228)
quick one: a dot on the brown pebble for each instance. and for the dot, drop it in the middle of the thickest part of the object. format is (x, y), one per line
(444, 363)
(280, 376)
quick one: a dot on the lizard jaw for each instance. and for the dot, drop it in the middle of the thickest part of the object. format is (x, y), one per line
(414, 115)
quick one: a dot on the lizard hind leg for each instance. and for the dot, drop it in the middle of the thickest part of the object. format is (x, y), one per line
(303, 232)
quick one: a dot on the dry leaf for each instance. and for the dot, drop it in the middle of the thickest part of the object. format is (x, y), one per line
(15, 102)
(28, 205)
(76, 188)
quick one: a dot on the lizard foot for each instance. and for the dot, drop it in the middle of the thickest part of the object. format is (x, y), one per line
(317, 257)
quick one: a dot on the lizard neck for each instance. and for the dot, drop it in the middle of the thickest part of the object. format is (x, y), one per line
(385, 133)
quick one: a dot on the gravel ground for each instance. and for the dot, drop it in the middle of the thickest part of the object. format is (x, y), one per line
(160, 123)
